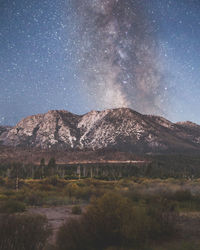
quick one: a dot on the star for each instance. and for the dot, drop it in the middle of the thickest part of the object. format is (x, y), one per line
(87, 55)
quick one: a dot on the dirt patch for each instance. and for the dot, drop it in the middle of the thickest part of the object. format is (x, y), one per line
(56, 216)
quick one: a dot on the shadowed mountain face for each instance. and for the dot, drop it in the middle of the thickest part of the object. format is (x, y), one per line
(121, 129)
(3, 131)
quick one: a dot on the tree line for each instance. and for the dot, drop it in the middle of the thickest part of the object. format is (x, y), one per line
(176, 166)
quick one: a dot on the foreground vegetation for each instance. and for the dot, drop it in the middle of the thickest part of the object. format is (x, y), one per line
(23, 232)
(52, 191)
(110, 222)
(114, 221)
(142, 210)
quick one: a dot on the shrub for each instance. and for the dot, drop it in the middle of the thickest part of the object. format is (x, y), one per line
(183, 195)
(112, 220)
(23, 232)
(72, 189)
(10, 183)
(12, 206)
(72, 236)
(162, 213)
(105, 218)
(35, 198)
(3, 197)
(2, 181)
(76, 209)
(52, 180)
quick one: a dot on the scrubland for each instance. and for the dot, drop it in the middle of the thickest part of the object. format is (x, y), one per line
(130, 213)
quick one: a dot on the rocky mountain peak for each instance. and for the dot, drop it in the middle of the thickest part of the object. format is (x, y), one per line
(122, 129)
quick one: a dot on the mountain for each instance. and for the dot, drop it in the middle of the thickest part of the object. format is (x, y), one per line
(120, 129)
(190, 129)
(4, 130)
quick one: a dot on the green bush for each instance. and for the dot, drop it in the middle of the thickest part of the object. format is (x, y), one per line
(76, 209)
(12, 206)
(72, 189)
(35, 198)
(2, 181)
(23, 232)
(182, 195)
(10, 183)
(113, 220)
(3, 197)
(162, 213)
(52, 180)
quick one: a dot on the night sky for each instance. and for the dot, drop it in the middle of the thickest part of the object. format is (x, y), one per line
(83, 55)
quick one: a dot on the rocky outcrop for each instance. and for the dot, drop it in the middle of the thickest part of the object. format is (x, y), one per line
(121, 129)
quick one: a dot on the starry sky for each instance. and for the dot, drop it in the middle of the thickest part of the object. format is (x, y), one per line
(83, 55)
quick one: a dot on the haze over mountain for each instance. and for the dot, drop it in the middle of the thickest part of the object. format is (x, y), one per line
(121, 129)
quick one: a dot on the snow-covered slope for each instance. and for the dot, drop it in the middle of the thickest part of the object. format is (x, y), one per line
(121, 129)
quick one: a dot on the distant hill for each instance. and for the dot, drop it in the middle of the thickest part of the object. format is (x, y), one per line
(120, 129)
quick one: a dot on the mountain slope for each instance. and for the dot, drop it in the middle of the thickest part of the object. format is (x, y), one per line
(122, 129)
(190, 129)
(4, 130)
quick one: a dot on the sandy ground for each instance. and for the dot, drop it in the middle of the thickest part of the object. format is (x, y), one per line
(55, 215)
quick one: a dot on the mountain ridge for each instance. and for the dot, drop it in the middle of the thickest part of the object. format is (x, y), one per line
(123, 129)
